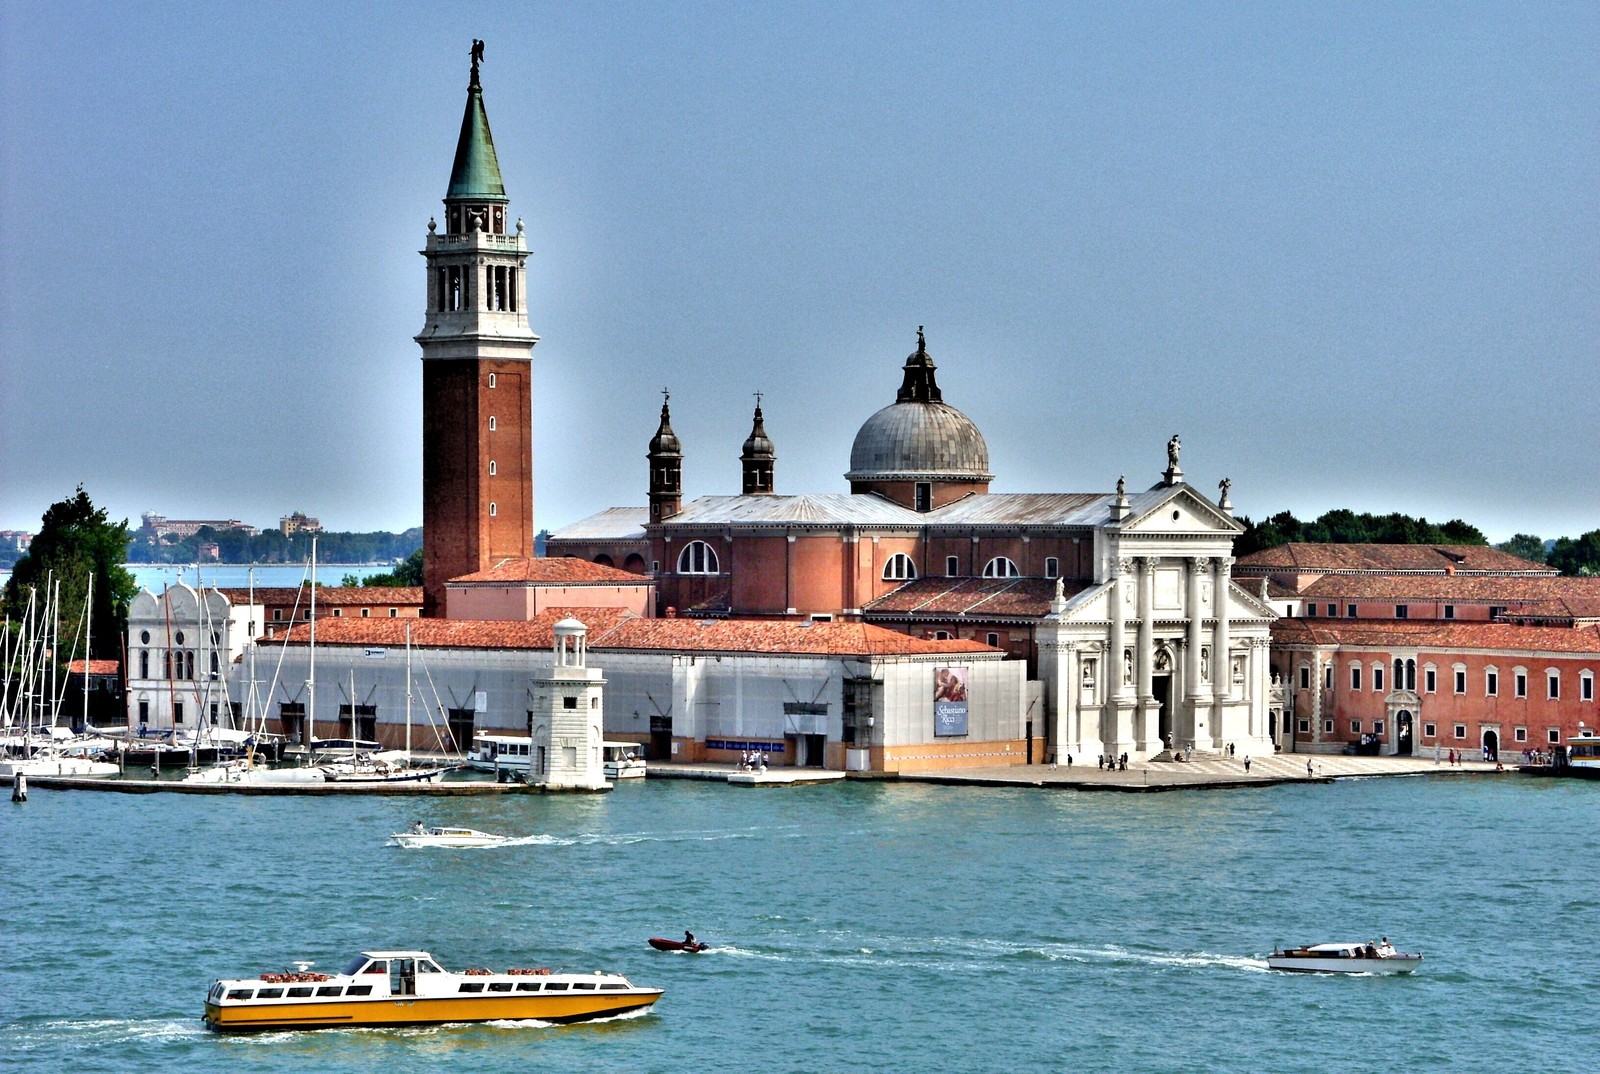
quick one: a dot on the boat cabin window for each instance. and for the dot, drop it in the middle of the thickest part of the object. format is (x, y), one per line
(471, 986)
(527, 986)
(499, 986)
(242, 993)
(299, 993)
(427, 966)
(613, 987)
(269, 993)
(330, 990)
(355, 966)
(556, 986)
(358, 990)
(583, 984)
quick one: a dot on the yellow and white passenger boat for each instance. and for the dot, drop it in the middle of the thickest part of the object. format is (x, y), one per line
(408, 988)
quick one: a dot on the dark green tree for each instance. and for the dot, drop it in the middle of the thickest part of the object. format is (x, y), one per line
(1525, 545)
(1577, 555)
(77, 540)
(407, 573)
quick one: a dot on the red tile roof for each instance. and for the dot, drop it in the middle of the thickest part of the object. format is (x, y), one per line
(981, 598)
(1438, 635)
(615, 629)
(551, 570)
(404, 596)
(1488, 589)
(1382, 558)
(96, 667)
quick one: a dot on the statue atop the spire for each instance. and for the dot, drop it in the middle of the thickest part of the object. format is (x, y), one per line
(477, 58)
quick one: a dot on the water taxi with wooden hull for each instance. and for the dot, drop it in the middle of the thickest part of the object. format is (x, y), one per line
(408, 988)
(1344, 958)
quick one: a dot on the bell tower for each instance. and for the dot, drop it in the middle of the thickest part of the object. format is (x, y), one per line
(477, 364)
(666, 467)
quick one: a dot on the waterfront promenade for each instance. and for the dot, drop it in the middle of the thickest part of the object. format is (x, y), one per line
(1204, 772)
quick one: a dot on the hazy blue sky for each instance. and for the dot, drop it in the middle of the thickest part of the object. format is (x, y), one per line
(1348, 251)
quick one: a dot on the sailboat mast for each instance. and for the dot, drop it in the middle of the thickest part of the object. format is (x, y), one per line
(408, 691)
(311, 675)
(88, 602)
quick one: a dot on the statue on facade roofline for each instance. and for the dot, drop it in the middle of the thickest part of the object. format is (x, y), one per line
(1122, 486)
(1173, 447)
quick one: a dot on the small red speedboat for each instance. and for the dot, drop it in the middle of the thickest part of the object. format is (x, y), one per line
(661, 943)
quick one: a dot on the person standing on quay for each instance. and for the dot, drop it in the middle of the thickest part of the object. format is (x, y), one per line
(1247, 764)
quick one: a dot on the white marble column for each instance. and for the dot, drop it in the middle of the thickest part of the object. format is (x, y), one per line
(1144, 659)
(1221, 655)
(1196, 635)
(1116, 675)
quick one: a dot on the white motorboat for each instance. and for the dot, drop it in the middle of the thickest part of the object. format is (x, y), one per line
(243, 772)
(1344, 958)
(622, 760)
(419, 835)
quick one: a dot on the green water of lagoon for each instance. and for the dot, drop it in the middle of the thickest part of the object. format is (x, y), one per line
(859, 926)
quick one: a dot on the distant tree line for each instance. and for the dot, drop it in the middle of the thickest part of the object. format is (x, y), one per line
(1570, 555)
(1347, 527)
(271, 546)
(409, 572)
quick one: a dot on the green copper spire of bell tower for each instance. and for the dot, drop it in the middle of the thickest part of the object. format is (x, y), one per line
(476, 174)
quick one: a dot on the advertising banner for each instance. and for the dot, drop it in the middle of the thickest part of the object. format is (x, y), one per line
(949, 702)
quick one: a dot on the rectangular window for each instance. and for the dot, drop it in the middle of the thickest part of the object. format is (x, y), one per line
(1491, 684)
(569, 702)
(1327, 677)
(277, 615)
(1496, 610)
(1377, 727)
(1350, 611)
(366, 613)
(1430, 680)
(1311, 610)
(1305, 677)
(1555, 736)
(1520, 734)
(1327, 727)
(144, 712)
(1355, 727)
(1401, 611)
(177, 712)
(1522, 684)
(1052, 566)
(1461, 681)
(1449, 611)
(1377, 678)
(1355, 676)
(1333, 610)
(994, 640)
(1553, 686)
(952, 566)
(338, 613)
(1429, 730)
(1460, 730)
(394, 613)
(924, 496)
(1304, 727)
(1586, 688)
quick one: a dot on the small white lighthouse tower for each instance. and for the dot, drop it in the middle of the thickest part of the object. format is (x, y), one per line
(567, 720)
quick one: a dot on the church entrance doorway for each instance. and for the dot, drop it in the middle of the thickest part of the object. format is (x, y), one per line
(1161, 687)
(1402, 733)
(1491, 745)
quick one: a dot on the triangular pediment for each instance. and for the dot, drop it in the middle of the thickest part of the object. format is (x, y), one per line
(1177, 509)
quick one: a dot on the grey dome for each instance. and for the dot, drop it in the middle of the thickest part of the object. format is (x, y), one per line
(919, 437)
(919, 442)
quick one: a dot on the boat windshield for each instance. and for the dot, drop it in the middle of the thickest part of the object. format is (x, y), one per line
(353, 967)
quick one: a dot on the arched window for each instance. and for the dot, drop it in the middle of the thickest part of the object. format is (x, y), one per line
(144, 663)
(1001, 567)
(214, 668)
(899, 568)
(697, 557)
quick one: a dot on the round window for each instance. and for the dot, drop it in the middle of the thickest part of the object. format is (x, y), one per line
(178, 637)
(144, 637)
